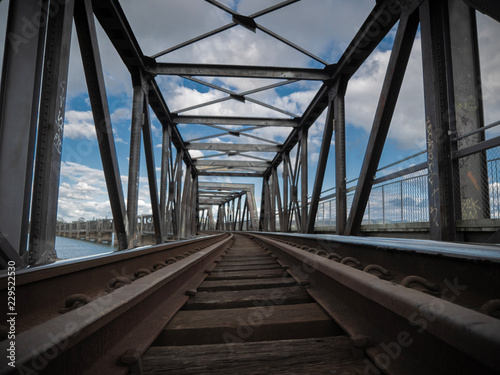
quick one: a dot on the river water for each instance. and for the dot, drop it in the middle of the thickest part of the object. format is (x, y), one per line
(70, 248)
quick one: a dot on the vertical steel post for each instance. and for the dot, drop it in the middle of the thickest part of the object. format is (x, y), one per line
(474, 191)
(165, 179)
(272, 203)
(262, 219)
(150, 166)
(50, 135)
(252, 209)
(85, 26)
(433, 24)
(304, 182)
(335, 96)
(195, 199)
(322, 161)
(186, 204)
(340, 159)
(134, 159)
(277, 193)
(177, 195)
(19, 95)
(286, 213)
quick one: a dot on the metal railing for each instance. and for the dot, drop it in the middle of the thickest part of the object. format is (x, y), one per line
(404, 198)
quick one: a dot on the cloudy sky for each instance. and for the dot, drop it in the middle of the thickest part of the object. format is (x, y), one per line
(323, 27)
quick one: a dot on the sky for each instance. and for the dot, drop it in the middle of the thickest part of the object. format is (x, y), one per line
(323, 27)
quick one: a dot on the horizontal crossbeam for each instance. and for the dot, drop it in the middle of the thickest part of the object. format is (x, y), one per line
(219, 120)
(240, 147)
(244, 71)
(231, 163)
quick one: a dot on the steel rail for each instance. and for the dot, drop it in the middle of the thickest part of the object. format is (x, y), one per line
(107, 319)
(402, 330)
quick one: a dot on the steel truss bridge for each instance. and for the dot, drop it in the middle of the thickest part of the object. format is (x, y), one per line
(32, 109)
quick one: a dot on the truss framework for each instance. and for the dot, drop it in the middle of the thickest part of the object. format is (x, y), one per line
(34, 77)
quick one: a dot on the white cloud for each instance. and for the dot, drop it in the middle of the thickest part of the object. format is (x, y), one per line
(363, 92)
(79, 125)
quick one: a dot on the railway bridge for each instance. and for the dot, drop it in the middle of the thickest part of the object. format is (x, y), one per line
(281, 242)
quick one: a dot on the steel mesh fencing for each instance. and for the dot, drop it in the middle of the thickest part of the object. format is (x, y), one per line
(477, 186)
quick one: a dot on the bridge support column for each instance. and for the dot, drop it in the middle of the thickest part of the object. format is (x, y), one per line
(19, 94)
(151, 169)
(134, 160)
(50, 135)
(335, 120)
(473, 196)
(303, 181)
(439, 112)
(277, 198)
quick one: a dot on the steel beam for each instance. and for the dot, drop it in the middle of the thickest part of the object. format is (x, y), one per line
(225, 186)
(160, 108)
(230, 174)
(150, 166)
(84, 22)
(286, 212)
(434, 25)
(186, 204)
(231, 163)
(225, 27)
(277, 195)
(239, 147)
(489, 7)
(340, 162)
(468, 111)
(244, 71)
(380, 21)
(336, 101)
(252, 121)
(303, 180)
(165, 178)
(137, 123)
(19, 95)
(390, 90)
(50, 136)
(321, 168)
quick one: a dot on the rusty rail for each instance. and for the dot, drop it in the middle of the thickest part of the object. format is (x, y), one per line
(85, 335)
(381, 293)
(403, 330)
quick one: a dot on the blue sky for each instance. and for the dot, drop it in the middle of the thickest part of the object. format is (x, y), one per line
(323, 27)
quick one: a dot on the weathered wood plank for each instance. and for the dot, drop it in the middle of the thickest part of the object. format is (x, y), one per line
(243, 284)
(247, 298)
(331, 355)
(246, 258)
(255, 274)
(245, 267)
(225, 263)
(260, 323)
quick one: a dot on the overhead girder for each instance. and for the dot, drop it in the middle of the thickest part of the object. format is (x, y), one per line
(229, 163)
(243, 71)
(382, 18)
(225, 27)
(228, 120)
(239, 147)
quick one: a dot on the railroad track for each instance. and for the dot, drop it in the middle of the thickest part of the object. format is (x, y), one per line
(257, 304)
(251, 316)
